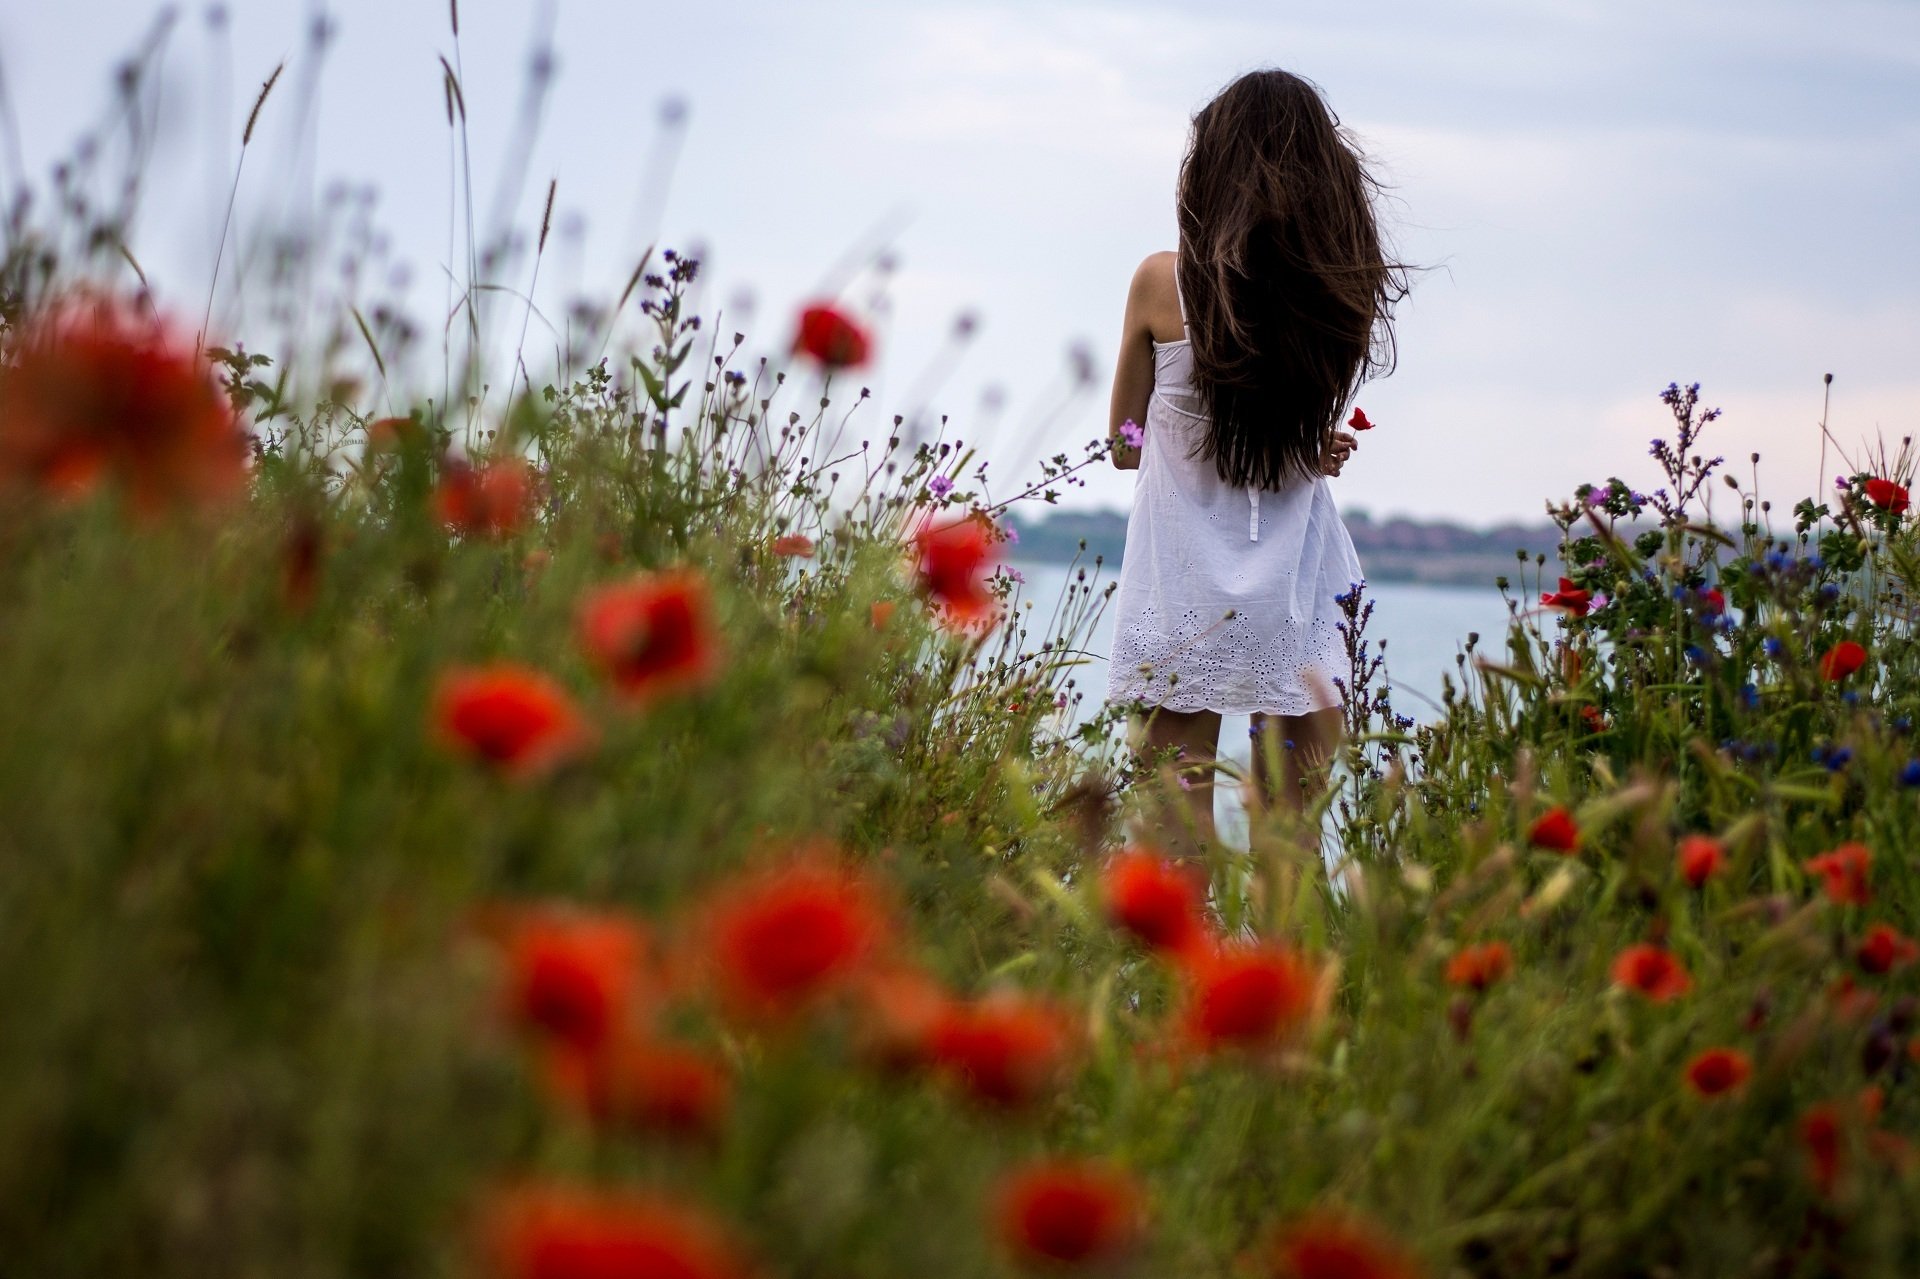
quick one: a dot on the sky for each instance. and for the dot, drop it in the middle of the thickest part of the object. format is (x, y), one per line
(1607, 196)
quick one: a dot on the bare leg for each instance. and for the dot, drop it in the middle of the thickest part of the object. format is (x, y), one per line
(1305, 744)
(1195, 735)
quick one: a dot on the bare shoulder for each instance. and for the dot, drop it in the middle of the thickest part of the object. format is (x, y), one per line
(1152, 297)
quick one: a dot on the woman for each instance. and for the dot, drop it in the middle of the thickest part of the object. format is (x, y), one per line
(1239, 356)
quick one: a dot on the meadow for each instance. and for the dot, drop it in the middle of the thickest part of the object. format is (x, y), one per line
(619, 827)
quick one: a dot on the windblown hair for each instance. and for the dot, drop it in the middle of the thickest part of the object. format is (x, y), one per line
(1289, 294)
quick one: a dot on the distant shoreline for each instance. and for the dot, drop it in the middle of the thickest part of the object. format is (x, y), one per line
(1397, 549)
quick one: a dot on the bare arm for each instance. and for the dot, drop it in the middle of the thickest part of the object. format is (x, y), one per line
(1133, 372)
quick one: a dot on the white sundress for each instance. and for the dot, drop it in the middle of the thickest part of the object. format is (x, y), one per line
(1199, 549)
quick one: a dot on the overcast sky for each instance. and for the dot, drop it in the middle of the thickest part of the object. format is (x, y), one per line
(1612, 195)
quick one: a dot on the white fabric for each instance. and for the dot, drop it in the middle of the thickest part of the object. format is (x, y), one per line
(1199, 549)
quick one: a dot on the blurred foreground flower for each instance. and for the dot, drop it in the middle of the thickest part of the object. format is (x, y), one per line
(954, 561)
(661, 1087)
(96, 394)
(1887, 495)
(491, 500)
(832, 337)
(1068, 1212)
(1652, 972)
(511, 717)
(1718, 1071)
(652, 635)
(1700, 857)
(1845, 871)
(574, 975)
(1886, 949)
(1246, 995)
(569, 1233)
(1156, 899)
(1005, 1049)
(1480, 966)
(1325, 1246)
(793, 545)
(785, 937)
(1555, 829)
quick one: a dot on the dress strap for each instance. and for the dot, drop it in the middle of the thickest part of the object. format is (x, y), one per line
(1177, 299)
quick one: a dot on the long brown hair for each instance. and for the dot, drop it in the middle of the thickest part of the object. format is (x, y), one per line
(1289, 294)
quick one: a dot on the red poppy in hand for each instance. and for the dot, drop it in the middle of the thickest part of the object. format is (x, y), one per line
(1359, 421)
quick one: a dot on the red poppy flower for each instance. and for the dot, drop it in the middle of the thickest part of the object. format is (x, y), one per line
(1887, 495)
(1885, 949)
(794, 545)
(1569, 597)
(1820, 1132)
(785, 937)
(900, 1008)
(660, 1087)
(1004, 1050)
(1555, 829)
(95, 392)
(573, 976)
(1842, 660)
(552, 1232)
(954, 560)
(652, 635)
(1359, 421)
(1701, 857)
(491, 500)
(1247, 995)
(1068, 1213)
(1325, 1246)
(1712, 602)
(880, 614)
(512, 717)
(1652, 972)
(1480, 966)
(1845, 871)
(1595, 721)
(1718, 1071)
(1155, 899)
(832, 337)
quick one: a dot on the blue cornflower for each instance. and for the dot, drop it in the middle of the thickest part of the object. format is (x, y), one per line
(1903, 724)
(1749, 696)
(1697, 655)
(1771, 646)
(1910, 775)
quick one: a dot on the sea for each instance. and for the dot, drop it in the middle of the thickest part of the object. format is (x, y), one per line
(1419, 629)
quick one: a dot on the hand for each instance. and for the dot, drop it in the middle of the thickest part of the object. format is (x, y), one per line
(1338, 450)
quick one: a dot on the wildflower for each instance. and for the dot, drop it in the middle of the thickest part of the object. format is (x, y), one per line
(1849, 1001)
(1479, 967)
(1131, 434)
(1005, 1050)
(1910, 773)
(1885, 949)
(1568, 597)
(1718, 1071)
(785, 937)
(1555, 829)
(1359, 421)
(554, 1232)
(879, 614)
(1652, 972)
(1845, 871)
(1820, 1139)
(511, 717)
(1591, 716)
(954, 559)
(1701, 857)
(1842, 660)
(1247, 995)
(832, 337)
(899, 1010)
(492, 500)
(571, 977)
(95, 392)
(1155, 899)
(940, 486)
(1712, 602)
(659, 1087)
(651, 635)
(1887, 495)
(1068, 1212)
(793, 544)
(1325, 1246)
